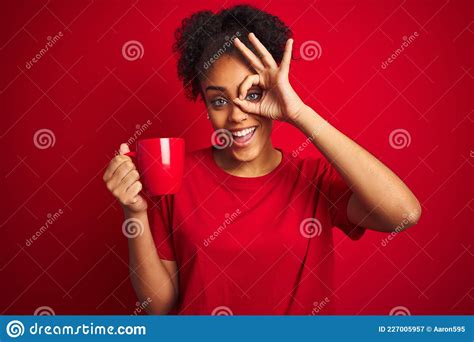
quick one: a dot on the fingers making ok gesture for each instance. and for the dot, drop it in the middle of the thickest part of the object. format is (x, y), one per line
(279, 101)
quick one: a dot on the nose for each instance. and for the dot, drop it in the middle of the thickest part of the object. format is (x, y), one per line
(236, 115)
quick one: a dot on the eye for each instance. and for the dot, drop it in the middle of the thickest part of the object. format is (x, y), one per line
(253, 96)
(218, 102)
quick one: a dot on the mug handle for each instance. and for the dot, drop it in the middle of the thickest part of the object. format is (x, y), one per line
(132, 154)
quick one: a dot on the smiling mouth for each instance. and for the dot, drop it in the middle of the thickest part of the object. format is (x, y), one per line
(243, 137)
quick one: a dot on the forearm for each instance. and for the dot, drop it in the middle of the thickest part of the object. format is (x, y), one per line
(150, 278)
(379, 193)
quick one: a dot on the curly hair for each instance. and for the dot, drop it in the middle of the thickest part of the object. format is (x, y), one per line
(204, 36)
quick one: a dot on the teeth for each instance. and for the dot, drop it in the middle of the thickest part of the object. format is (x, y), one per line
(243, 132)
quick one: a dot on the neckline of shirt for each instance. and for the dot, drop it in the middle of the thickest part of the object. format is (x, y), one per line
(244, 182)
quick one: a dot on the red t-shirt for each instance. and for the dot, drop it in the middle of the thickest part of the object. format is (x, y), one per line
(259, 245)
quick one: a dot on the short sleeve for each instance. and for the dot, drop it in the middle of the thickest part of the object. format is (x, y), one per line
(337, 193)
(160, 215)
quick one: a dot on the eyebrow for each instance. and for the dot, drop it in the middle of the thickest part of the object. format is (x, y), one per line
(215, 88)
(223, 89)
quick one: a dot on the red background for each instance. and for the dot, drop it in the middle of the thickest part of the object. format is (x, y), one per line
(92, 98)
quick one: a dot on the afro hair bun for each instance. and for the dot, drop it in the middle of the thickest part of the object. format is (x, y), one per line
(204, 36)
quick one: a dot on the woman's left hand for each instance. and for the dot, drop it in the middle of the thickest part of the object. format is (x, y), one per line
(279, 101)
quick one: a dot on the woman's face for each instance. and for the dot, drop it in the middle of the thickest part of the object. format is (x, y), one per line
(250, 132)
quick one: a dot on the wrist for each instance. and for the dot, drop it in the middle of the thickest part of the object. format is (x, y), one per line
(300, 116)
(128, 213)
(310, 123)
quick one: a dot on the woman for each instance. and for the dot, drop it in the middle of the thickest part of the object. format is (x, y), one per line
(250, 231)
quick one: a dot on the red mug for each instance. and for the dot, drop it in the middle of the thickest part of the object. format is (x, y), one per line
(160, 162)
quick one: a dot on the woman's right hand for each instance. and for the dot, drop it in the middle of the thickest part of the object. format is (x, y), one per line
(123, 181)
